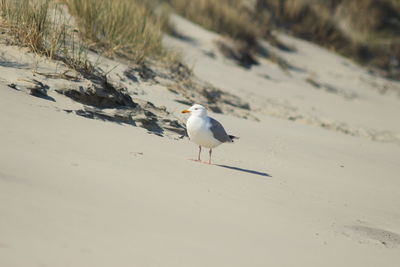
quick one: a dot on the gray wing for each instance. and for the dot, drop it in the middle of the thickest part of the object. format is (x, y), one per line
(218, 131)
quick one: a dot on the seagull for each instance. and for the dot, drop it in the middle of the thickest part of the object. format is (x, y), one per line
(205, 131)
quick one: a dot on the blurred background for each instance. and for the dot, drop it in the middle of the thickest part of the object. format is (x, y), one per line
(367, 31)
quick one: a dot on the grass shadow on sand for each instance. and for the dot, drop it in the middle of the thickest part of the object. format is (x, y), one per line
(244, 170)
(8, 64)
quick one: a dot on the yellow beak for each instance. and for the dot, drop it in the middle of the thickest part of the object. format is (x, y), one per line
(185, 111)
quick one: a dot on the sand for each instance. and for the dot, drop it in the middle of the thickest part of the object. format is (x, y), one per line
(82, 192)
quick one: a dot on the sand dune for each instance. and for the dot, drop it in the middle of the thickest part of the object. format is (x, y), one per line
(313, 180)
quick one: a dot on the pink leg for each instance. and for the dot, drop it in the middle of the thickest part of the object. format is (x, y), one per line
(198, 158)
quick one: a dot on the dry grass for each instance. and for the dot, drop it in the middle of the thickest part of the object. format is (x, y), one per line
(366, 30)
(29, 24)
(228, 17)
(41, 26)
(305, 18)
(128, 28)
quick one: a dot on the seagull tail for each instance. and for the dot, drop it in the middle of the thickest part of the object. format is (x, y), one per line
(232, 137)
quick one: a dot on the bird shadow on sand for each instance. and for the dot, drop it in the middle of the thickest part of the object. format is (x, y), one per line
(244, 170)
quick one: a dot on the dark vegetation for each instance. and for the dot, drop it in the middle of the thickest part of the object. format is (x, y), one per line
(367, 31)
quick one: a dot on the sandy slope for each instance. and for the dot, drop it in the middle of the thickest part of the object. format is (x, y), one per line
(80, 192)
(348, 97)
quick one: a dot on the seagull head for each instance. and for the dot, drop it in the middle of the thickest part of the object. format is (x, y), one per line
(196, 110)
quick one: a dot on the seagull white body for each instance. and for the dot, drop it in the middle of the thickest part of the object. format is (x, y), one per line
(205, 131)
(198, 129)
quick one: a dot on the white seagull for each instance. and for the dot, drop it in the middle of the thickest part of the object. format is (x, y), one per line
(205, 131)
